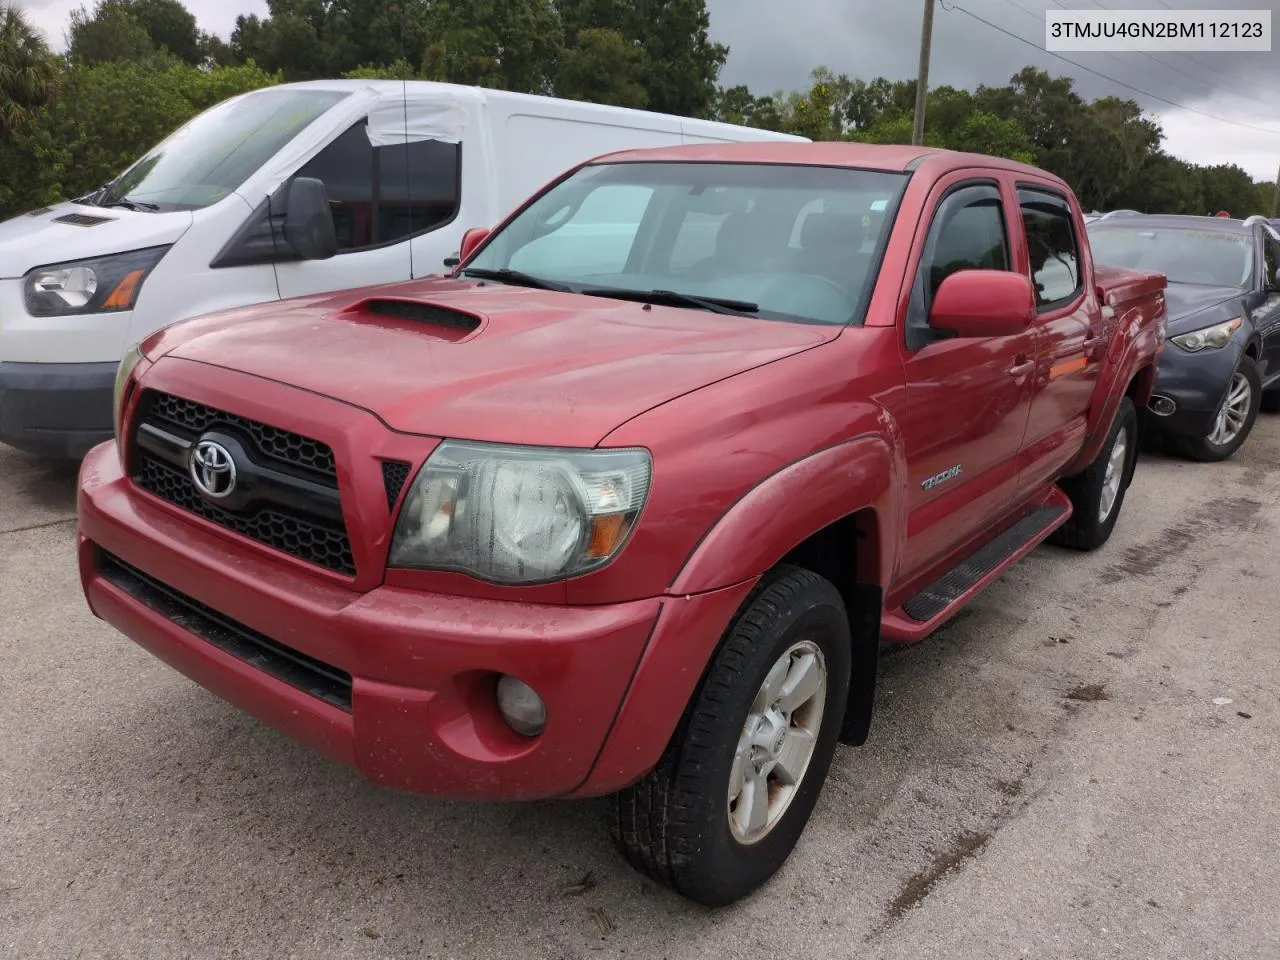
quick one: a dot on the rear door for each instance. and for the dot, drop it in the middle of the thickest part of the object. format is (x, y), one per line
(966, 400)
(1069, 330)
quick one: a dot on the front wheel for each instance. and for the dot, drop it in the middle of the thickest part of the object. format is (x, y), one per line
(1235, 419)
(729, 799)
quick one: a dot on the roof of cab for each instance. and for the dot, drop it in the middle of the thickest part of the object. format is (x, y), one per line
(866, 156)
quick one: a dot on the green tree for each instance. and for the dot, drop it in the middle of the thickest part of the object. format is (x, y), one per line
(107, 34)
(509, 44)
(603, 67)
(28, 71)
(170, 25)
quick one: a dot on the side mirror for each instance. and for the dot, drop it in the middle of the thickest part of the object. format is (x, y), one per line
(983, 303)
(308, 221)
(471, 240)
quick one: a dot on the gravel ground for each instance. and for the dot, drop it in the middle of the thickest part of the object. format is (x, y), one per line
(1083, 764)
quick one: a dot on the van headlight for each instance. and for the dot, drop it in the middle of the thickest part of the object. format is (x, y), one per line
(128, 363)
(1208, 338)
(102, 285)
(519, 515)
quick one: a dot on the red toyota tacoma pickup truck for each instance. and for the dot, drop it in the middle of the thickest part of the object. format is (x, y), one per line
(626, 504)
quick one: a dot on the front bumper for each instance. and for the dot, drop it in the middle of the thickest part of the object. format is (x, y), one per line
(1197, 384)
(396, 683)
(56, 409)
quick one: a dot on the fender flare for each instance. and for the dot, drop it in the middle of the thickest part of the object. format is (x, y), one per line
(789, 506)
(1124, 361)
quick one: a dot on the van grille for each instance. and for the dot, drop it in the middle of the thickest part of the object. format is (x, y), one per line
(293, 505)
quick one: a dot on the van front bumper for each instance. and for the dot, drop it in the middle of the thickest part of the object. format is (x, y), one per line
(399, 684)
(56, 409)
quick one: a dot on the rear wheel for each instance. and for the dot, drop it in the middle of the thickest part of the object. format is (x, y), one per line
(1235, 419)
(735, 788)
(1097, 494)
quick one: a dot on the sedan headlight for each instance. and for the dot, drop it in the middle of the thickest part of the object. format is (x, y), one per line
(1208, 338)
(103, 285)
(128, 363)
(520, 514)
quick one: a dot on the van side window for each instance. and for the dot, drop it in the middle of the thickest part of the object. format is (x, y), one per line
(382, 195)
(1051, 242)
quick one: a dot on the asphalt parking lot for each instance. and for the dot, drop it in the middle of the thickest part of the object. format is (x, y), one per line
(1084, 764)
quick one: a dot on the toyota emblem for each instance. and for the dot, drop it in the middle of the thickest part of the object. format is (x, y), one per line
(213, 470)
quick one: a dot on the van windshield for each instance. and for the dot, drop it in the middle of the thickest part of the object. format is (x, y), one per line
(212, 155)
(777, 241)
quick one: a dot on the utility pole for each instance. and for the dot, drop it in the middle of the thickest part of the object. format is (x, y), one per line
(922, 75)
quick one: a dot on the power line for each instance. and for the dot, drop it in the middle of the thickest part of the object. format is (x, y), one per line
(1233, 77)
(1120, 83)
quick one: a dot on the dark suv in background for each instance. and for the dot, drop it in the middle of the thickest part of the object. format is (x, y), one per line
(1222, 361)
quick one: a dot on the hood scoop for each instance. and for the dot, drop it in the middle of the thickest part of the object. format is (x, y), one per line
(82, 219)
(443, 323)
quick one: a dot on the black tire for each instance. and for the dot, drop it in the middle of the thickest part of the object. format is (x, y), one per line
(1201, 449)
(1088, 529)
(1270, 402)
(673, 826)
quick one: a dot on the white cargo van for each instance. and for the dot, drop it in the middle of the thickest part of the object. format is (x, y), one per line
(293, 190)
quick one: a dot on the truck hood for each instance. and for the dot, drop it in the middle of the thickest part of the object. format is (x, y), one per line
(38, 239)
(1188, 302)
(539, 367)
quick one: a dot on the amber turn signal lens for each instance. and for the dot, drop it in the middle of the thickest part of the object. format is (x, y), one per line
(126, 291)
(607, 534)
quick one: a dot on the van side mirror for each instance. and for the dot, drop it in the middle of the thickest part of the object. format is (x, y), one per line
(308, 221)
(471, 241)
(983, 303)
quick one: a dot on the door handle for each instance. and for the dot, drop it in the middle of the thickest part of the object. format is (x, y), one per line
(1021, 365)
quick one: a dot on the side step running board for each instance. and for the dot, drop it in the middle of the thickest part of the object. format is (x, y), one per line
(942, 599)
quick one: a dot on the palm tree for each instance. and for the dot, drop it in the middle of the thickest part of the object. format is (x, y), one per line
(28, 70)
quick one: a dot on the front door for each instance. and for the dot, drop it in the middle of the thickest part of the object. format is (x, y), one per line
(965, 406)
(383, 190)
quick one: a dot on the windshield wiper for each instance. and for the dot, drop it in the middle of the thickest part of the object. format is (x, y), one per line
(517, 278)
(673, 298)
(130, 204)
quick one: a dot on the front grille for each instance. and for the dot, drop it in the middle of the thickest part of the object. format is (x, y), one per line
(395, 473)
(294, 506)
(291, 448)
(291, 666)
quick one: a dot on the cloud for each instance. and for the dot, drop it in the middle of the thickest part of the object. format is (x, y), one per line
(774, 45)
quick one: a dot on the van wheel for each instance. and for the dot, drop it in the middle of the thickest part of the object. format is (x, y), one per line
(1097, 494)
(727, 802)
(1235, 420)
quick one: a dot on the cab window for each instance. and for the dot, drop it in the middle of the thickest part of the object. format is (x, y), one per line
(1052, 246)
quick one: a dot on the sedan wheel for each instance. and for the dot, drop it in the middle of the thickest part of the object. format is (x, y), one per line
(1235, 412)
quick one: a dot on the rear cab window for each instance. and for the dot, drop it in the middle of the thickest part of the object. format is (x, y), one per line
(1052, 246)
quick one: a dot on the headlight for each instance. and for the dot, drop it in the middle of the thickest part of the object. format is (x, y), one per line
(104, 285)
(1208, 338)
(520, 514)
(128, 363)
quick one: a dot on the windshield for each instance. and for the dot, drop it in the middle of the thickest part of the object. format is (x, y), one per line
(777, 241)
(219, 150)
(1184, 254)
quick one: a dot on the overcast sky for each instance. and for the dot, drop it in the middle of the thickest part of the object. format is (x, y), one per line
(774, 45)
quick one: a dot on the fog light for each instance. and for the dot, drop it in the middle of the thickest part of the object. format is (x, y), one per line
(521, 706)
(1162, 406)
